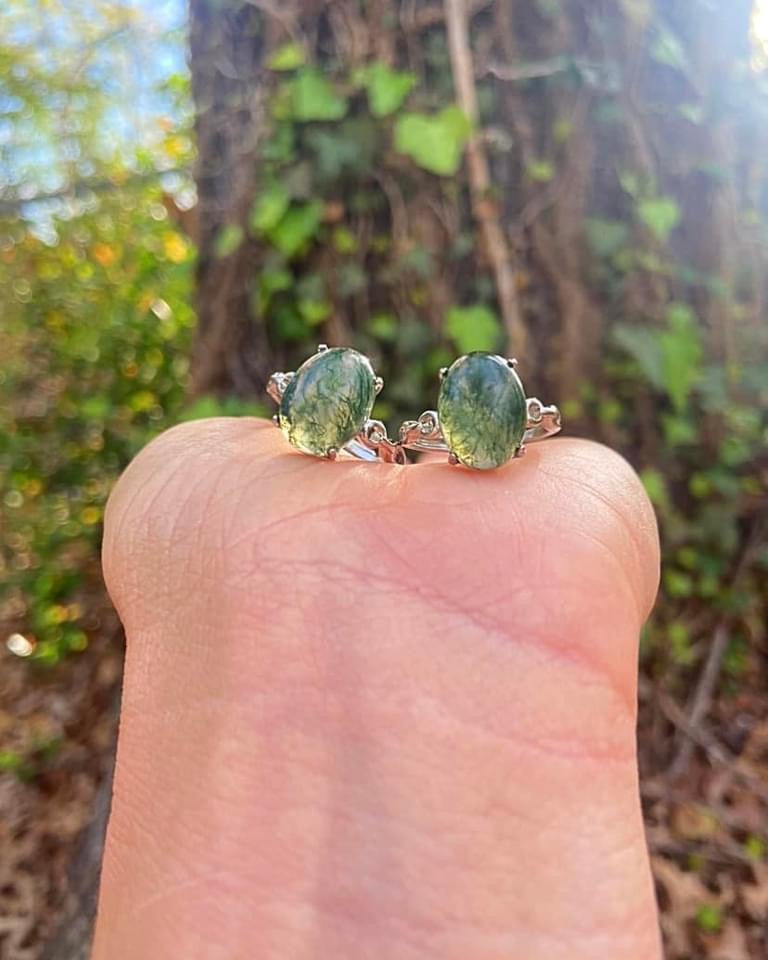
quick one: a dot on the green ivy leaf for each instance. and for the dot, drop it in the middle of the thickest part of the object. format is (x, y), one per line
(660, 214)
(540, 171)
(656, 487)
(314, 98)
(288, 57)
(272, 280)
(269, 208)
(299, 225)
(344, 241)
(275, 279)
(667, 49)
(630, 183)
(473, 328)
(314, 311)
(434, 143)
(343, 148)
(228, 239)
(642, 345)
(383, 326)
(681, 354)
(606, 237)
(387, 89)
(680, 431)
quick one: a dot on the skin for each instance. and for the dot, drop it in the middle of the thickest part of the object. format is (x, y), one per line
(375, 711)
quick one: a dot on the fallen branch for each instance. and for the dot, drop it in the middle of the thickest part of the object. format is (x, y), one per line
(701, 702)
(702, 698)
(529, 71)
(699, 735)
(483, 207)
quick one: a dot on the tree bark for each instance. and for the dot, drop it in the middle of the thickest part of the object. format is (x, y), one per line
(227, 43)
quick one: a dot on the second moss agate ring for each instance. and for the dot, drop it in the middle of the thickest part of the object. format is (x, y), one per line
(483, 418)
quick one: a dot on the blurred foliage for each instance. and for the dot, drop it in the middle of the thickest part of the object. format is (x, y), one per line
(96, 287)
(95, 290)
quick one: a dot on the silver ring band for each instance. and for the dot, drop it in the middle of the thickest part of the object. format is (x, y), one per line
(425, 434)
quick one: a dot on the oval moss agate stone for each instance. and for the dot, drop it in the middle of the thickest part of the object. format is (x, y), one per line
(482, 410)
(328, 400)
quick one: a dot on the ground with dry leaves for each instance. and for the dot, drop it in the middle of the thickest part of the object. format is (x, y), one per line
(704, 823)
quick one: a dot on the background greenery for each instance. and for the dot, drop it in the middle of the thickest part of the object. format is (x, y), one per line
(96, 292)
(637, 239)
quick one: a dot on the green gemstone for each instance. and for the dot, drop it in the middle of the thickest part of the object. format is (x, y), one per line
(328, 400)
(482, 410)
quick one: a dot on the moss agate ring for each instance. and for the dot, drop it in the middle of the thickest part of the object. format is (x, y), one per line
(483, 418)
(325, 407)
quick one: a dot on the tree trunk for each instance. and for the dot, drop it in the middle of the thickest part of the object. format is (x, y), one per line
(227, 41)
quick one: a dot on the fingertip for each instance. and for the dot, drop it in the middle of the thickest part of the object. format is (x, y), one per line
(153, 482)
(605, 490)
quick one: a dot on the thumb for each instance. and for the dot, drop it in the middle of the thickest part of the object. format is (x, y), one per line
(376, 712)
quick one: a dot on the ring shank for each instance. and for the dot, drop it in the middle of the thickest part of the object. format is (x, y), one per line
(425, 434)
(548, 422)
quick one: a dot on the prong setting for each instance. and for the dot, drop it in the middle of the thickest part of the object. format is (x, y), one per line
(277, 385)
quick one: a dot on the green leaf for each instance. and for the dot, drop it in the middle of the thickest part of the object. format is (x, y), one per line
(299, 225)
(314, 311)
(289, 325)
(473, 328)
(709, 918)
(679, 431)
(271, 280)
(274, 280)
(10, 762)
(345, 147)
(642, 345)
(656, 487)
(679, 639)
(681, 354)
(228, 239)
(692, 112)
(630, 183)
(606, 237)
(660, 214)
(344, 241)
(540, 171)
(434, 142)
(383, 326)
(269, 208)
(667, 49)
(387, 89)
(280, 146)
(755, 848)
(314, 98)
(288, 57)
